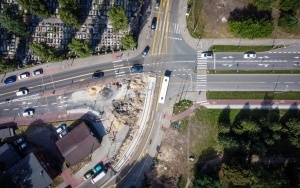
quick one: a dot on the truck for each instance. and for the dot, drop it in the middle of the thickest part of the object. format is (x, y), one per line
(98, 177)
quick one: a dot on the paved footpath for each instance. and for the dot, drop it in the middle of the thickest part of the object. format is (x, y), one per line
(237, 104)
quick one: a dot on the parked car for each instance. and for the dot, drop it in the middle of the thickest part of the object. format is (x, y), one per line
(154, 22)
(98, 168)
(98, 74)
(207, 55)
(249, 55)
(61, 128)
(157, 4)
(37, 72)
(24, 75)
(22, 92)
(19, 141)
(28, 112)
(88, 175)
(10, 79)
(63, 133)
(137, 68)
(146, 50)
(23, 146)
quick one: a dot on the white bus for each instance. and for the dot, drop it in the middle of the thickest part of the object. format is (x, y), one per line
(98, 177)
(163, 90)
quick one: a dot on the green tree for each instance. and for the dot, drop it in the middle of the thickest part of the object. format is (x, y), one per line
(13, 22)
(293, 133)
(290, 5)
(80, 47)
(250, 28)
(262, 4)
(69, 13)
(45, 52)
(288, 19)
(247, 127)
(36, 7)
(7, 65)
(207, 182)
(128, 42)
(118, 18)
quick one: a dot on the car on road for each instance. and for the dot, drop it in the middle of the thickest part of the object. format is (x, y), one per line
(10, 79)
(146, 50)
(88, 175)
(22, 92)
(19, 141)
(98, 74)
(154, 22)
(61, 128)
(249, 55)
(37, 72)
(63, 133)
(157, 4)
(137, 68)
(98, 168)
(23, 146)
(24, 75)
(28, 112)
(207, 55)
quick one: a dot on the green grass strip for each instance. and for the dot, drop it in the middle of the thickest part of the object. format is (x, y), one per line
(253, 72)
(234, 48)
(259, 95)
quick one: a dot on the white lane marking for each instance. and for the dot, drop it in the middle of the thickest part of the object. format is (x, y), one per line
(117, 61)
(35, 106)
(44, 105)
(288, 82)
(15, 108)
(54, 103)
(5, 109)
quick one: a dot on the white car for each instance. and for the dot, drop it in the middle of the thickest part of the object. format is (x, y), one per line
(28, 113)
(22, 92)
(61, 128)
(37, 72)
(24, 75)
(249, 55)
(207, 55)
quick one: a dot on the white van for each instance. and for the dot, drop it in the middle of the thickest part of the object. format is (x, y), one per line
(22, 92)
(98, 177)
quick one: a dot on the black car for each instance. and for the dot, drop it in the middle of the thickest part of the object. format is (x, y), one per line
(137, 68)
(146, 50)
(153, 25)
(10, 79)
(98, 74)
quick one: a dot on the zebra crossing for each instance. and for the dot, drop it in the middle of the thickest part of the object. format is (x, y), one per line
(173, 28)
(118, 64)
(201, 80)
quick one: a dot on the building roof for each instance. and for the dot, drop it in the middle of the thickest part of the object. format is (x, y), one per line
(29, 173)
(6, 132)
(77, 144)
(8, 156)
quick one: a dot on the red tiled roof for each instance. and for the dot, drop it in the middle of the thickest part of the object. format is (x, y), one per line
(77, 144)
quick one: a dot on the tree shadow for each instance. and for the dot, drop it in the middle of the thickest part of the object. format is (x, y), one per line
(240, 14)
(224, 117)
(244, 114)
(291, 113)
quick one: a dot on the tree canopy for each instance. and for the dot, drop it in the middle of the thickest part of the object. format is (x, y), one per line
(128, 42)
(290, 5)
(45, 52)
(13, 22)
(288, 19)
(250, 28)
(118, 18)
(262, 4)
(36, 7)
(80, 47)
(69, 13)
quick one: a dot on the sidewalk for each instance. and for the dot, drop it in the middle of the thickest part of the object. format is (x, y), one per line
(204, 44)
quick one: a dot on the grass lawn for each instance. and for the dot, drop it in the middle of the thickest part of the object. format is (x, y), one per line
(57, 181)
(234, 48)
(266, 95)
(181, 106)
(195, 21)
(253, 72)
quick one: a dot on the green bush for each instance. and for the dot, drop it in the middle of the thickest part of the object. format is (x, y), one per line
(250, 28)
(118, 18)
(80, 47)
(288, 19)
(290, 5)
(262, 4)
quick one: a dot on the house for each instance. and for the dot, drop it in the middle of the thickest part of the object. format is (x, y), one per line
(6, 132)
(8, 156)
(35, 170)
(77, 144)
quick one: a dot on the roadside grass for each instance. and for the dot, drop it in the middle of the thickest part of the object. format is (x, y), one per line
(260, 95)
(253, 71)
(195, 21)
(183, 124)
(181, 106)
(234, 48)
(56, 182)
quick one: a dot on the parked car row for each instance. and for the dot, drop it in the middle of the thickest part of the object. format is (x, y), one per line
(20, 142)
(95, 171)
(22, 76)
(62, 130)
